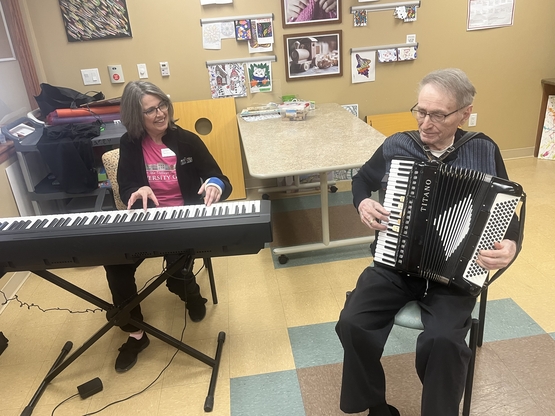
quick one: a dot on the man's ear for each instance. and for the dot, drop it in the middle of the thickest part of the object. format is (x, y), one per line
(466, 114)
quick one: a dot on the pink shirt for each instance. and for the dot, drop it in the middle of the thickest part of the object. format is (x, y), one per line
(160, 171)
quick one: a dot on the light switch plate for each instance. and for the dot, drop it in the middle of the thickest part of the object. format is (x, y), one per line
(90, 76)
(143, 73)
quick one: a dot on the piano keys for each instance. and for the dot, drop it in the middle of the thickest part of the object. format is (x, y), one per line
(115, 237)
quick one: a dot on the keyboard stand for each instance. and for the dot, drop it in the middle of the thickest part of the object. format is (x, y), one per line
(120, 316)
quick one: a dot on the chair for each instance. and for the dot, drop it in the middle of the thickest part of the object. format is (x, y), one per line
(409, 316)
(388, 124)
(110, 160)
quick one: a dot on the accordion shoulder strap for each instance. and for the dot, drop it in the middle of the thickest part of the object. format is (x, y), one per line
(415, 135)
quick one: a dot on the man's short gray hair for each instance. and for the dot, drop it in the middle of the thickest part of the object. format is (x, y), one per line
(454, 82)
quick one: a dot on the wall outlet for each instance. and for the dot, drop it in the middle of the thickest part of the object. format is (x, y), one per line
(116, 74)
(411, 38)
(90, 76)
(472, 119)
(165, 69)
(141, 68)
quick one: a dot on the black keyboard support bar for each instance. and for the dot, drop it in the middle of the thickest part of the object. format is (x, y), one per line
(119, 316)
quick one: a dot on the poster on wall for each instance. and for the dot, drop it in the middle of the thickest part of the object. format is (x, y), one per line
(94, 20)
(485, 14)
(212, 36)
(227, 80)
(363, 66)
(547, 143)
(260, 76)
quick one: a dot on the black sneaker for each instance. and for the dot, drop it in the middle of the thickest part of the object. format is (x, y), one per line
(196, 307)
(129, 352)
(384, 410)
(393, 411)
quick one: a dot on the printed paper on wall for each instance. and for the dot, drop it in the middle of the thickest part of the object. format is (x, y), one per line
(211, 36)
(262, 37)
(263, 29)
(387, 55)
(360, 18)
(227, 30)
(363, 66)
(227, 80)
(260, 76)
(406, 54)
(243, 29)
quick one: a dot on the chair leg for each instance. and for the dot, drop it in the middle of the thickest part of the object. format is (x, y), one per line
(482, 316)
(470, 373)
(208, 265)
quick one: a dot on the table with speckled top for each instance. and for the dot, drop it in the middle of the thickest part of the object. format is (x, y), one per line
(331, 138)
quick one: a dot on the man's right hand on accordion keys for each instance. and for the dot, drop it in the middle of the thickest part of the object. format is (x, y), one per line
(373, 214)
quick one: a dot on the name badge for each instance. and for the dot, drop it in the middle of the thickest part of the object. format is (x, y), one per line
(167, 152)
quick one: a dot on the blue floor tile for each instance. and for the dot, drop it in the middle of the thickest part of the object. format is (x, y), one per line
(401, 341)
(314, 345)
(272, 394)
(506, 320)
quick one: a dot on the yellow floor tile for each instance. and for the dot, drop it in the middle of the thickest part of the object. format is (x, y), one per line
(308, 308)
(259, 352)
(263, 314)
(301, 279)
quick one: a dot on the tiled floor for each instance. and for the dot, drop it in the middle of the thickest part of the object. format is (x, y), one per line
(281, 356)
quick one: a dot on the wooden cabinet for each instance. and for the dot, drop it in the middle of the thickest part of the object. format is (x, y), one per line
(216, 124)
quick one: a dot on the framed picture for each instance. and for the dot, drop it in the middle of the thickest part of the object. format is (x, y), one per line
(93, 20)
(306, 12)
(312, 55)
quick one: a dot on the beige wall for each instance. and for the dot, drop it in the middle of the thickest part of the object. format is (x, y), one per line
(505, 64)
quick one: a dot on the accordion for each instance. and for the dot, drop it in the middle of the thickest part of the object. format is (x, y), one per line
(440, 218)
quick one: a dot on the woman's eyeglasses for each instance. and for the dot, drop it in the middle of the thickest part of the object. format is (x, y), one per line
(151, 112)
